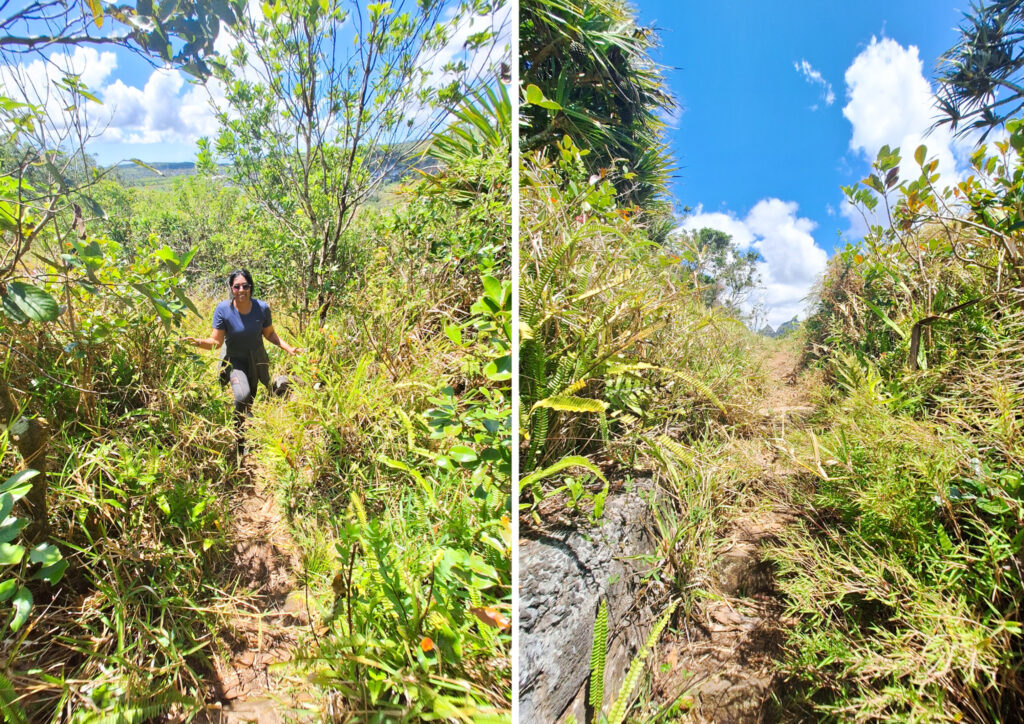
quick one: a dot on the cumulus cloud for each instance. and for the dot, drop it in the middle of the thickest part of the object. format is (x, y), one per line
(167, 109)
(814, 77)
(791, 261)
(890, 102)
(34, 82)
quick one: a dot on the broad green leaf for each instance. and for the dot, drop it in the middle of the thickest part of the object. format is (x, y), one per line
(53, 572)
(183, 298)
(6, 504)
(535, 96)
(7, 588)
(17, 479)
(11, 527)
(11, 554)
(492, 287)
(462, 454)
(45, 553)
(500, 369)
(454, 333)
(22, 605)
(166, 254)
(920, 153)
(24, 301)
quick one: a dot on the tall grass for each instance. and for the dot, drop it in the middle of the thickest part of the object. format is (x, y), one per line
(905, 577)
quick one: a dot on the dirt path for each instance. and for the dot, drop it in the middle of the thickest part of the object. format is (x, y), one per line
(719, 668)
(263, 631)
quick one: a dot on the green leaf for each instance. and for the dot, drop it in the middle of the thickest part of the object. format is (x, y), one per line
(499, 369)
(462, 454)
(45, 553)
(566, 462)
(454, 333)
(166, 254)
(7, 588)
(186, 302)
(24, 301)
(920, 153)
(11, 554)
(22, 605)
(535, 96)
(885, 318)
(492, 287)
(53, 572)
(11, 528)
(17, 479)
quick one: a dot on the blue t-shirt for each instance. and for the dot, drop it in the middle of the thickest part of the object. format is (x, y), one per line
(243, 333)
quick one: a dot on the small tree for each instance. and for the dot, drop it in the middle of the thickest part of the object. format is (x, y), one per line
(723, 273)
(325, 100)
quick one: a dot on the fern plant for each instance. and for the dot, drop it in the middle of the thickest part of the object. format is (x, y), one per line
(597, 657)
(636, 668)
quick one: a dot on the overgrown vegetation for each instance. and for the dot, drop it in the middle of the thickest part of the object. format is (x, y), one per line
(628, 367)
(391, 457)
(907, 579)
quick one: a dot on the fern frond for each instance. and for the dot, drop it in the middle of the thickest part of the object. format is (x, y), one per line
(636, 668)
(566, 403)
(597, 657)
(678, 450)
(9, 707)
(538, 435)
(566, 462)
(699, 385)
(575, 387)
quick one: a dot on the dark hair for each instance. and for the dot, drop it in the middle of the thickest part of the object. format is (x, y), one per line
(242, 273)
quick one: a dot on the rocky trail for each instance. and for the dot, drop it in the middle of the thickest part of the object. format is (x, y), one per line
(718, 667)
(262, 633)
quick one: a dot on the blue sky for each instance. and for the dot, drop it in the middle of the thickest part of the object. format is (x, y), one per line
(156, 113)
(784, 102)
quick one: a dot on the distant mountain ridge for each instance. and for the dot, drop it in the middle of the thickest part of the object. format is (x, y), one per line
(784, 328)
(130, 173)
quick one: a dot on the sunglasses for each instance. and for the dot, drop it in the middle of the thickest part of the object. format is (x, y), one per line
(242, 287)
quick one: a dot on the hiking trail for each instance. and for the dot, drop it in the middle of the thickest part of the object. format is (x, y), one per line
(719, 666)
(269, 614)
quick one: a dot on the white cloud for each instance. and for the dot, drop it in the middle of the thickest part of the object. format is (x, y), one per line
(166, 109)
(890, 102)
(791, 261)
(455, 49)
(814, 77)
(34, 82)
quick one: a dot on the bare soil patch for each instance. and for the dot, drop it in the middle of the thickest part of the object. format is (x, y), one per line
(263, 632)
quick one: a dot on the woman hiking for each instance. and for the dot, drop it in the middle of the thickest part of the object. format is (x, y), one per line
(243, 322)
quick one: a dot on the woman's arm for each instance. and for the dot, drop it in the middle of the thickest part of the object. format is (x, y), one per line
(214, 341)
(273, 338)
